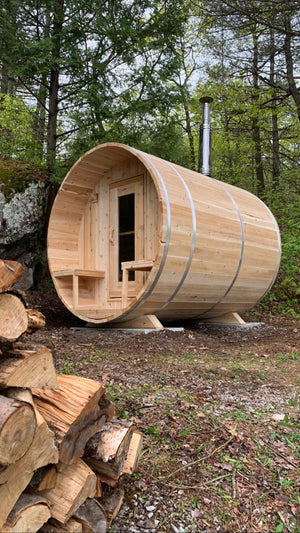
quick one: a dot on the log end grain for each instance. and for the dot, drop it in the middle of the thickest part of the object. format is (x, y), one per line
(17, 428)
(14, 319)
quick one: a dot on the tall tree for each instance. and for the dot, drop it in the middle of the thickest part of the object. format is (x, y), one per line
(182, 80)
(275, 131)
(282, 17)
(96, 60)
(256, 131)
(261, 50)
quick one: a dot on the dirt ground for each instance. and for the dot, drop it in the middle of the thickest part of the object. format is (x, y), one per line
(219, 413)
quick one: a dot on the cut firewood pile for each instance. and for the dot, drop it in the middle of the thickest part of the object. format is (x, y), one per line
(62, 452)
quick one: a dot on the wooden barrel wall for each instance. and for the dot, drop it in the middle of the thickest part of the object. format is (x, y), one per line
(199, 248)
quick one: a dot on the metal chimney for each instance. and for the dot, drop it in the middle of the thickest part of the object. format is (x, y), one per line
(205, 137)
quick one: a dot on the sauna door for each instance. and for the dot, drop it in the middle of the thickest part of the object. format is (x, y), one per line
(126, 239)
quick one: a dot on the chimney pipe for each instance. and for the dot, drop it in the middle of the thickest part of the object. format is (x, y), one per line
(205, 137)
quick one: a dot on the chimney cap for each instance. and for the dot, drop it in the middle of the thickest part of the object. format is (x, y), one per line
(206, 99)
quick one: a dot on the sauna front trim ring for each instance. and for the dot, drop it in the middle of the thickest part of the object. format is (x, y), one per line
(210, 248)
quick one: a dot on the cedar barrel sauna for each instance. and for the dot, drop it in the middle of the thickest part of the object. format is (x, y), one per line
(131, 235)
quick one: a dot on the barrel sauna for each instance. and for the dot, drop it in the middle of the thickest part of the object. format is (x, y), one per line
(131, 235)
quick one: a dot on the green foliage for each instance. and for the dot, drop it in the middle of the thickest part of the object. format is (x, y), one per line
(16, 137)
(153, 133)
(285, 294)
(15, 176)
(90, 65)
(233, 162)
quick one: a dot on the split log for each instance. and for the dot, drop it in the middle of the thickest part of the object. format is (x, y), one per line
(44, 478)
(17, 428)
(15, 477)
(111, 503)
(53, 526)
(106, 451)
(28, 515)
(28, 368)
(133, 454)
(14, 319)
(10, 273)
(92, 517)
(36, 320)
(74, 484)
(75, 412)
(20, 294)
(22, 395)
(98, 492)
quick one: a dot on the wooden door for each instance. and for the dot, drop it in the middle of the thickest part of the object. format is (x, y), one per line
(126, 233)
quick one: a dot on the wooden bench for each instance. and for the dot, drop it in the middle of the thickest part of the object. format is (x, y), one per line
(129, 266)
(77, 273)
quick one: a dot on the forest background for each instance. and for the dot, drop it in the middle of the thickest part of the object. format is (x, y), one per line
(77, 73)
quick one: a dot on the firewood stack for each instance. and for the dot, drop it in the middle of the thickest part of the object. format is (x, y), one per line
(62, 452)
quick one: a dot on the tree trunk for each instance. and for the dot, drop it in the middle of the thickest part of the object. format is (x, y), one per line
(52, 120)
(275, 133)
(188, 129)
(255, 120)
(229, 150)
(289, 62)
(39, 123)
(58, 18)
(7, 83)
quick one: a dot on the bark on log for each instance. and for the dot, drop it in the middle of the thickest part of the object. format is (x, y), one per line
(22, 395)
(28, 368)
(106, 451)
(111, 504)
(14, 319)
(53, 526)
(10, 273)
(74, 484)
(17, 428)
(44, 478)
(92, 517)
(15, 477)
(28, 515)
(75, 412)
(36, 320)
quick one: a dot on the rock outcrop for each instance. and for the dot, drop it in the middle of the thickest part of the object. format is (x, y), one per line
(22, 227)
